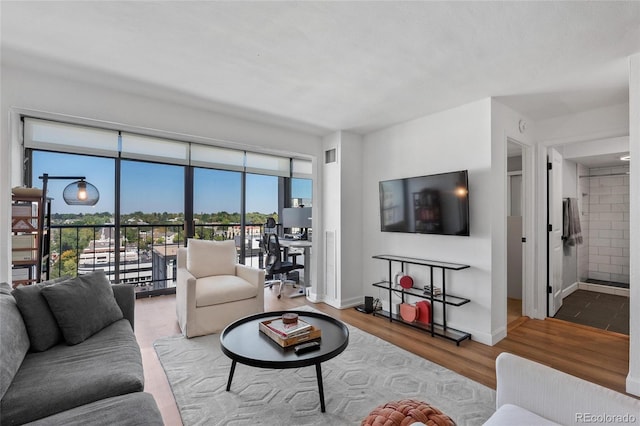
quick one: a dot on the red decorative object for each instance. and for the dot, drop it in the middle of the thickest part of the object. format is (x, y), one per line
(406, 281)
(424, 312)
(408, 312)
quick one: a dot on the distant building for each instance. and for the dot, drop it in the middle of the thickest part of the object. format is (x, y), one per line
(165, 265)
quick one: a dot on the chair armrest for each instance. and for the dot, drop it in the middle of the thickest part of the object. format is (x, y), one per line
(253, 276)
(185, 288)
(126, 298)
(250, 274)
(555, 395)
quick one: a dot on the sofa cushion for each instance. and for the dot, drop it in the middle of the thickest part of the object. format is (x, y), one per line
(83, 305)
(223, 289)
(105, 365)
(14, 340)
(206, 258)
(41, 324)
(510, 415)
(137, 408)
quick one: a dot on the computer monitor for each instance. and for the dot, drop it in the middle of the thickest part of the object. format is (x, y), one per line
(297, 217)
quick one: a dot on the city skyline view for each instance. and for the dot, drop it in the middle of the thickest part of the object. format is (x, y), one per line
(158, 188)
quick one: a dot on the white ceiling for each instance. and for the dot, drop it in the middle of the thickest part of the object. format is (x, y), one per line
(604, 160)
(325, 66)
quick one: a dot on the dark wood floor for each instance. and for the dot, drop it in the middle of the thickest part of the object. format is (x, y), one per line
(595, 355)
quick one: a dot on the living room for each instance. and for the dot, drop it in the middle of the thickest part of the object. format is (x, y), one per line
(97, 85)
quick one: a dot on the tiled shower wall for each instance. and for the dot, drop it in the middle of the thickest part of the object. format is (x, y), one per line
(607, 209)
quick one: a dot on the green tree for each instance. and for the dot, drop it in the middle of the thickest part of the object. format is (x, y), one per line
(68, 261)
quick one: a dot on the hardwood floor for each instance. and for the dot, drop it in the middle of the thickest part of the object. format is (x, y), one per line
(595, 355)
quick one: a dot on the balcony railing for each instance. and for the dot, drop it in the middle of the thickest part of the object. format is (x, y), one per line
(147, 255)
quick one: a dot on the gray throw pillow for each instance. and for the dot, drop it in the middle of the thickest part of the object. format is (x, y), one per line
(13, 337)
(83, 306)
(42, 326)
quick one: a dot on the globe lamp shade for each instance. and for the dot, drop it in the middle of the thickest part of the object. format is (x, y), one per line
(81, 193)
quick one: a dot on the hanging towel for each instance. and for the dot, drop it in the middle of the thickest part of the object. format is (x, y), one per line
(571, 231)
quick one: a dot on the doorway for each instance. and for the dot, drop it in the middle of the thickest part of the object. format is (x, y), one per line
(594, 263)
(515, 230)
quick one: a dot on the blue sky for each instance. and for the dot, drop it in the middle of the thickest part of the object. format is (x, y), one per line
(150, 187)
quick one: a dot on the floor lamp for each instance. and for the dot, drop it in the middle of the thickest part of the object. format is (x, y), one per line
(78, 193)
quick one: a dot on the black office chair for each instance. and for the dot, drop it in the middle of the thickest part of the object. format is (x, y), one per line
(275, 266)
(269, 228)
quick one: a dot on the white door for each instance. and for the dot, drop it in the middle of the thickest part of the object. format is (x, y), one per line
(555, 232)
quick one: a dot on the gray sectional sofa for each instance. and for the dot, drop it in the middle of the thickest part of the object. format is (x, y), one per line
(68, 355)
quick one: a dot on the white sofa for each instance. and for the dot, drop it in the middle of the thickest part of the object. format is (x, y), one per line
(212, 289)
(529, 393)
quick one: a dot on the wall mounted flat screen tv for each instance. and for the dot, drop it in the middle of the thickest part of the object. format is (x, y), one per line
(433, 204)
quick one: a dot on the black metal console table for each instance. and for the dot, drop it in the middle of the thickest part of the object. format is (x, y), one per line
(435, 329)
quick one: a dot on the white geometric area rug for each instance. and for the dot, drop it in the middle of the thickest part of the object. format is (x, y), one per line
(368, 373)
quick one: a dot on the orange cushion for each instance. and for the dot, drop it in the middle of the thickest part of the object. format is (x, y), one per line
(406, 412)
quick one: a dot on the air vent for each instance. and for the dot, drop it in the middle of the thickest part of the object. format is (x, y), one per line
(330, 156)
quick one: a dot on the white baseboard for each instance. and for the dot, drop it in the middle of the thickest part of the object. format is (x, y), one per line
(633, 385)
(567, 291)
(313, 297)
(488, 339)
(351, 302)
(604, 289)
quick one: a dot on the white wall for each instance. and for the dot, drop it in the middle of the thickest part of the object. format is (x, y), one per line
(351, 220)
(32, 90)
(329, 256)
(452, 140)
(342, 213)
(606, 122)
(633, 379)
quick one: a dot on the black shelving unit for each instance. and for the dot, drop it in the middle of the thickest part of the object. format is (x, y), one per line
(435, 329)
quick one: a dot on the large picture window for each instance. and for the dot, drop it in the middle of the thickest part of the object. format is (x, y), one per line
(76, 228)
(154, 194)
(217, 203)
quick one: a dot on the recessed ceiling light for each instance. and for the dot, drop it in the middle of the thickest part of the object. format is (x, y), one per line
(626, 158)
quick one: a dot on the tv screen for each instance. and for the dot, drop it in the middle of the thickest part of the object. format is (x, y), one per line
(433, 204)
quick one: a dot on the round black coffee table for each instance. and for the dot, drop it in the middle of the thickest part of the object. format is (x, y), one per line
(243, 342)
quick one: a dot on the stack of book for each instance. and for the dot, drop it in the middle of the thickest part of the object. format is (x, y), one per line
(289, 334)
(437, 291)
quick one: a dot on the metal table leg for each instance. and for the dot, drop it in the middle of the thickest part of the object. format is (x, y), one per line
(233, 369)
(320, 387)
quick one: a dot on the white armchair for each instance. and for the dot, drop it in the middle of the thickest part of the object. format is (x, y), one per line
(529, 393)
(212, 289)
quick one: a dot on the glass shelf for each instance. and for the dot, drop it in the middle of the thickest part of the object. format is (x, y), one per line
(413, 291)
(425, 262)
(438, 330)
